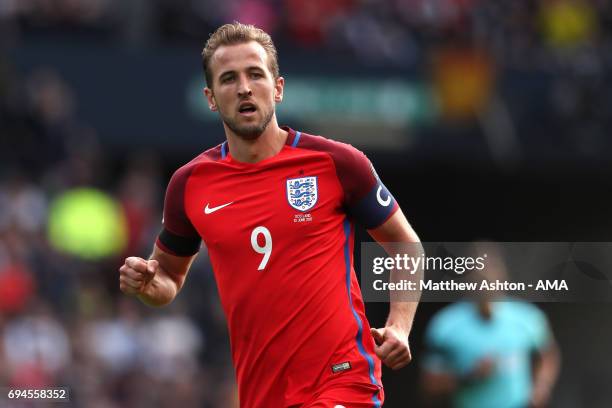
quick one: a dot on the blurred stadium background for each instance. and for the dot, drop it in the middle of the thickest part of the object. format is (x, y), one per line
(487, 119)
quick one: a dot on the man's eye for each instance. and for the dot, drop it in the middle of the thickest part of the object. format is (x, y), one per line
(226, 79)
(256, 75)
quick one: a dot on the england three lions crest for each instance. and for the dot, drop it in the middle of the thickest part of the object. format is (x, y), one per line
(302, 193)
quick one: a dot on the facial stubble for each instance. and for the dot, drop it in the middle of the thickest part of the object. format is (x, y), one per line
(247, 132)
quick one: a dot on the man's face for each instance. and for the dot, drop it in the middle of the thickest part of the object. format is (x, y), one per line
(244, 91)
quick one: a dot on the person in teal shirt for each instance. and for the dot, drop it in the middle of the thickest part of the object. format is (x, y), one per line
(490, 354)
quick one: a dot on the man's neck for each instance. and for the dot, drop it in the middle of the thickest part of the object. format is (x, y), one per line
(485, 309)
(267, 145)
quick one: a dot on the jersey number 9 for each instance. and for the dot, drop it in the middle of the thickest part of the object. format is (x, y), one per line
(266, 249)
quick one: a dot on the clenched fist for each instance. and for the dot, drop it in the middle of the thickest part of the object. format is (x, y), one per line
(392, 347)
(135, 274)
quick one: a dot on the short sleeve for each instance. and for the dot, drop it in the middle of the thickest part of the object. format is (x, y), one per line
(178, 236)
(538, 329)
(367, 200)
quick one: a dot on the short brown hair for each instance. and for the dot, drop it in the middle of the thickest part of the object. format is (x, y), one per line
(237, 33)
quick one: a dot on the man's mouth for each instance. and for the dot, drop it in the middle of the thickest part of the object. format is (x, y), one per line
(247, 108)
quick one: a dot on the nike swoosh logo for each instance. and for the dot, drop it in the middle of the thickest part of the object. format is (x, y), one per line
(208, 210)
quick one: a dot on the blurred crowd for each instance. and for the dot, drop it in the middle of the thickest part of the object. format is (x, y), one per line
(519, 33)
(66, 222)
(509, 64)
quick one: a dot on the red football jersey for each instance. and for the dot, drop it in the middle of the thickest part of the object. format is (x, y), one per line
(279, 235)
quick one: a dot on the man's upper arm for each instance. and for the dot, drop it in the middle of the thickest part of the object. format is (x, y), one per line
(178, 242)
(395, 229)
(175, 267)
(178, 237)
(438, 377)
(535, 326)
(542, 340)
(365, 199)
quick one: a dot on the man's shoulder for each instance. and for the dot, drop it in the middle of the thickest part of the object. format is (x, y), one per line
(461, 309)
(346, 158)
(211, 155)
(448, 319)
(523, 313)
(325, 144)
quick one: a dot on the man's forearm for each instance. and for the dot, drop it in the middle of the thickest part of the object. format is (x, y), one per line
(545, 373)
(160, 291)
(403, 304)
(397, 237)
(439, 385)
(401, 315)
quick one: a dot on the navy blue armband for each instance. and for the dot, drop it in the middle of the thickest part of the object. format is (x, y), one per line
(375, 208)
(178, 245)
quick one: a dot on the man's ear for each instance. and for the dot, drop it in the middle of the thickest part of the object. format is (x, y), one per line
(210, 97)
(278, 89)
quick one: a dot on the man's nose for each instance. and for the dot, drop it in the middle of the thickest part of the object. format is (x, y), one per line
(244, 88)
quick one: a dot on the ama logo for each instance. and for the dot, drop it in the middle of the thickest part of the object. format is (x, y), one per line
(302, 193)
